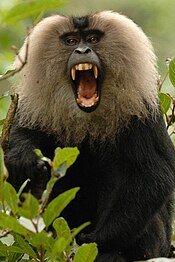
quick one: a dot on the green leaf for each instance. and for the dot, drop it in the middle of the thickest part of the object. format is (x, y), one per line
(22, 187)
(46, 194)
(29, 8)
(60, 171)
(27, 249)
(2, 252)
(8, 73)
(11, 253)
(12, 249)
(3, 259)
(42, 239)
(67, 154)
(11, 197)
(3, 174)
(172, 71)
(61, 227)
(40, 155)
(30, 206)
(1, 164)
(13, 256)
(3, 96)
(56, 206)
(12, 224)
(2, 122)
(165, 102)
(77, 230)
(86, 253)
(58, 248)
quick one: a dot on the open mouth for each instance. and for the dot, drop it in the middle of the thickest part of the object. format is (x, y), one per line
(85, 78)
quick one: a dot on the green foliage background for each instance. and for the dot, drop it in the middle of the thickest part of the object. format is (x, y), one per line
(26, 223)
(156, 17)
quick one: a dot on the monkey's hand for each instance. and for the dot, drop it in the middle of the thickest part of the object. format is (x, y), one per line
(27, 165)
(85, 238)
(23, 163)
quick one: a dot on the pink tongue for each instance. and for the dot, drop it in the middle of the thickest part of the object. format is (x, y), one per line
(87, 85)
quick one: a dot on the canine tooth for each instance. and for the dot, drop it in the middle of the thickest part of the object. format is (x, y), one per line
(73, 72)
(95, 69)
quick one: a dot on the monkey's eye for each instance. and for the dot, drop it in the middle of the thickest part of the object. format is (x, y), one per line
(92, 39)
(71, 41)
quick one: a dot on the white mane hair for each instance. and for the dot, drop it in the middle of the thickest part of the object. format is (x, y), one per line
(129, 88)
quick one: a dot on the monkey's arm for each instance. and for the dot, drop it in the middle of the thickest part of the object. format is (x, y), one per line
(143, 181)
(23, 163)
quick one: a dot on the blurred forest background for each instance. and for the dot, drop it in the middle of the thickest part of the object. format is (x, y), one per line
(156, 17)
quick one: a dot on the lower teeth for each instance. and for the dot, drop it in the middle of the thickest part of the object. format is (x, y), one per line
(85, 105)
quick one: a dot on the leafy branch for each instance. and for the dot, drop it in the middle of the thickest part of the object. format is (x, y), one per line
(4, 141)
(167, 101)
(12, 72)
(29, 221)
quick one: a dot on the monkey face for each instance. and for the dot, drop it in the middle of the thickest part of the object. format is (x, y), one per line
(89, 73)
(84, 67)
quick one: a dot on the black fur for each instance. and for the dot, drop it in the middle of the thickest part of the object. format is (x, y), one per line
(80, 23)
(126, 187)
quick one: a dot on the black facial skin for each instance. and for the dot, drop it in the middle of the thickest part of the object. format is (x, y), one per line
(82, 43)
(82, 47)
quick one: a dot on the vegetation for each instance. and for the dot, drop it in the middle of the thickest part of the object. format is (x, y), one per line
(27, 222)
(167, 100)
(24, 222)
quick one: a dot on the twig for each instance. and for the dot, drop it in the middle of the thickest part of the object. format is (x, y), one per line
(68, 259)
(42, 253)
(4, 233)
(160, 84)
(170, 119)
(4, 142)
(23, 62)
